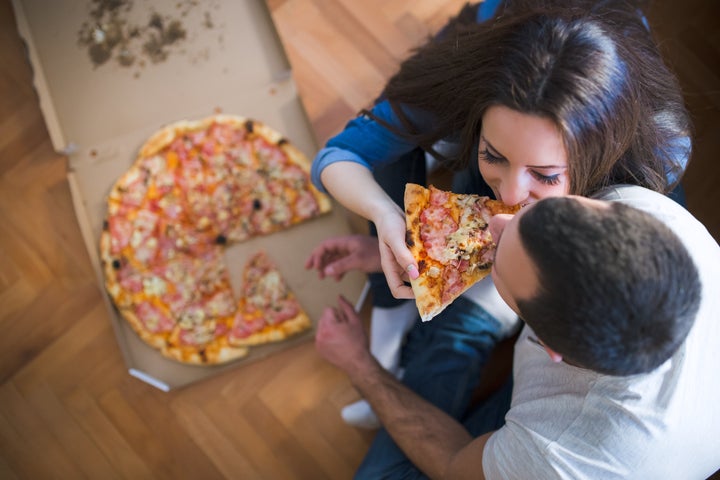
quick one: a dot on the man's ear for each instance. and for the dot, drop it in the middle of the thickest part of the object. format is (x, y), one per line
(554, 356)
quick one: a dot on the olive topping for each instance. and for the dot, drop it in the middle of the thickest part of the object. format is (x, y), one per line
(257, 204)
(249, 126)
(116, 264)
(221, 239)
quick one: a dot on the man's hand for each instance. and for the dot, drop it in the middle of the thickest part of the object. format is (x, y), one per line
(336, 256)
(436, 443)
(341, 339)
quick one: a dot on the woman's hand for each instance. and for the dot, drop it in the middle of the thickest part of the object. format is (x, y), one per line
(397, 261)
(336, 256)
(354, 186)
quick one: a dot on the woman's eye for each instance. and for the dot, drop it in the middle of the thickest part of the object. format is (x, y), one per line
(490, 158)
(547, 179)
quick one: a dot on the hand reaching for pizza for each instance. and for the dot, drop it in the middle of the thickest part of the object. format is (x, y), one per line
(342, 341)
(336, 256)
(397, 261)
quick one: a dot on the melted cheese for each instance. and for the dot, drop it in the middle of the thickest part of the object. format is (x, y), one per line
(154, 286)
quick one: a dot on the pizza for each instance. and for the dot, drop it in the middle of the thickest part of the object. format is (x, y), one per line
(195, 188)
(268, 310)
(449, 238)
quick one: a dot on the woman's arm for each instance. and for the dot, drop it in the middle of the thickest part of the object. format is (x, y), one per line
(353, 185)
(344, 170)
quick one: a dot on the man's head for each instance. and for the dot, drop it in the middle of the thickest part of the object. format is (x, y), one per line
(603, 285)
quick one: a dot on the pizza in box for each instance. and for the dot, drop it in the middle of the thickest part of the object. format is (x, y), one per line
(195, 188)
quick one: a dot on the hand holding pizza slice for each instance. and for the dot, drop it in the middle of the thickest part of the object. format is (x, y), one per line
(448, 235)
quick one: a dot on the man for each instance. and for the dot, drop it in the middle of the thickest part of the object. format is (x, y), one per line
(615, 372)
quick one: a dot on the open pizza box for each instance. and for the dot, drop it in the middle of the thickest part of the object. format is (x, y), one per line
(180, 60)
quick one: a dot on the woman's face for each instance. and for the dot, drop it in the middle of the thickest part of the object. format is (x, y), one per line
(522, 157)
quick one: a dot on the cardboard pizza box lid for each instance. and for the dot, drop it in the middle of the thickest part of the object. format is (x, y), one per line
(100, 116)
(218, 49)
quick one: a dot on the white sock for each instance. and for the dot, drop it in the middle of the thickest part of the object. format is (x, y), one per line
(388, 327)
(360, 414)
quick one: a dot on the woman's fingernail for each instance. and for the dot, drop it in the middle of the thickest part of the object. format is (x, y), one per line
(412, 272)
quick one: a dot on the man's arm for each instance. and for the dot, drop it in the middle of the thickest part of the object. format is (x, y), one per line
(435, 442)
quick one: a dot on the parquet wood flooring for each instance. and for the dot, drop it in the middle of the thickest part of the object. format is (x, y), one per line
(69, 409)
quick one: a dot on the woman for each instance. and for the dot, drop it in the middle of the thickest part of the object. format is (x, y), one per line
(547, 98)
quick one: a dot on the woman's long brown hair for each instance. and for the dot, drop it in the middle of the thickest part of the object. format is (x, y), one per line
(591, 67)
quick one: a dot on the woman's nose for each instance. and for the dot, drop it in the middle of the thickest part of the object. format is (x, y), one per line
(513, 193)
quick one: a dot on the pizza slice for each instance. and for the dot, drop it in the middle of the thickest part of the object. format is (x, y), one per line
(268, 310)
(201, 301)
(448, 235)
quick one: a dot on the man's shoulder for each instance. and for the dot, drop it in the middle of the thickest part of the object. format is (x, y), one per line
(691, 231)
(638, 197)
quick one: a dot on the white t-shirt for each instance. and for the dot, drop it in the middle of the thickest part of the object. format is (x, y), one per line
(567, 422)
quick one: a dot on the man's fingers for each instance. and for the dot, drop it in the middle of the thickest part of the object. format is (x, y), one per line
(338, 268)
(347, 310)
(345, 305)
(311, 262)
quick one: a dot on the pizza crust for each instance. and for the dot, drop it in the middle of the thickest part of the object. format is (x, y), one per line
(210, 355)
(276, 333)
(416, 197)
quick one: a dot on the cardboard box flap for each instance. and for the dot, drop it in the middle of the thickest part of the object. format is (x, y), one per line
(103, 69)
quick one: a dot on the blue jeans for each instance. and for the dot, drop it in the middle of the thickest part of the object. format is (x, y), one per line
(443, 360)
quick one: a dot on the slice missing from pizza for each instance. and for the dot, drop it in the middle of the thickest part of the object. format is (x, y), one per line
(449, 237)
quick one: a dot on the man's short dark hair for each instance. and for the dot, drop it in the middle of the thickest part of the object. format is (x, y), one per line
(618, 290)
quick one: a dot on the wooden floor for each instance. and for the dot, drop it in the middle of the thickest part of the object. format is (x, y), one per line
(68, 408)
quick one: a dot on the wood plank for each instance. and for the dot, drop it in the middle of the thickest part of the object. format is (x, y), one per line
(26, 435)
(54, 361)
(68, 432)
(250, 439)
(279, 438)
(224, 453)
(119, 452)
(187, 459)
